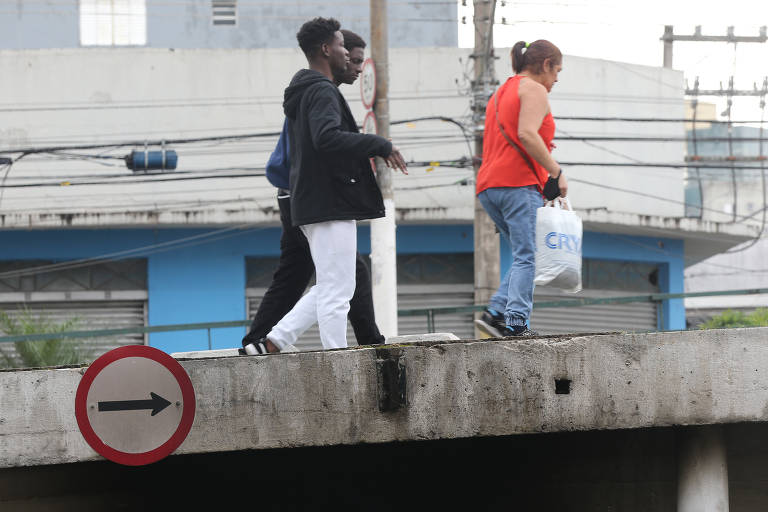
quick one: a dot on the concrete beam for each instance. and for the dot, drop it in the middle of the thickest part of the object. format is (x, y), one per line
(454, 390)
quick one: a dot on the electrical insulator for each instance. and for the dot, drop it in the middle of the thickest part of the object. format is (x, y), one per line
(146, 160)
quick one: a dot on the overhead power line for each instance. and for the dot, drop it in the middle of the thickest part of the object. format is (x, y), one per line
(148, 178)
(653, 120)
(192, 140)
(666, 139)
(656, 197)
(252, 172)
(54, 149)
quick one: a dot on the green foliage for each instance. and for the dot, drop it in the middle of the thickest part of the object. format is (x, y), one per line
(36, 354)
(731, 318)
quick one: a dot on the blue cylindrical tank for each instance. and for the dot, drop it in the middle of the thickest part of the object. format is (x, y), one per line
(140, 160)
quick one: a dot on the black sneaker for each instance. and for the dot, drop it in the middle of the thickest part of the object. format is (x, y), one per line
(492, 324)
(520, 331)
(259, 348)
(254, 349)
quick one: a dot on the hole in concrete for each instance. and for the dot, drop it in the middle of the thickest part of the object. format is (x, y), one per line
(562, 386)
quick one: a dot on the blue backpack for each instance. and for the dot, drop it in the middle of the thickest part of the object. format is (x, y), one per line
(279, 164)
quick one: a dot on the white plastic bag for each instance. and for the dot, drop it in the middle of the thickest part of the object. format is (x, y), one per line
(558, 246)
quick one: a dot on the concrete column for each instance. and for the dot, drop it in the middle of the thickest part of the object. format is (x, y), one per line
(668, 39)
(702, 470)
(671, 280)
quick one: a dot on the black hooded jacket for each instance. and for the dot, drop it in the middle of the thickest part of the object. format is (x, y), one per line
(331, 176)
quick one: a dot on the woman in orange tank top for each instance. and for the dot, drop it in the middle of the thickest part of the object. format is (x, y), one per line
(517, 163)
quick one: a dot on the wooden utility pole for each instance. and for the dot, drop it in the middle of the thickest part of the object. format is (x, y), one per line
(383, 241)
(486, 238)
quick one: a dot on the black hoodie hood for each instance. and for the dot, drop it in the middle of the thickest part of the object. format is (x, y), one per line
(299, 83)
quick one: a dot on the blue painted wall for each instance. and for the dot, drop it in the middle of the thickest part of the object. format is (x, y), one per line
(35, 25)
(268, 24)
(204, 280)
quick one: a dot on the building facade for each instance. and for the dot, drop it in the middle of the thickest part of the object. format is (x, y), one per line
(82, 235)
(41, 24)
(734, 192)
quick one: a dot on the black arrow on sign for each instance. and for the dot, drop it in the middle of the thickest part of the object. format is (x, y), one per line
(157, 404)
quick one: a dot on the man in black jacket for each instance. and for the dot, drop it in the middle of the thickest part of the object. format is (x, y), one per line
(331, 186)
(295, 267)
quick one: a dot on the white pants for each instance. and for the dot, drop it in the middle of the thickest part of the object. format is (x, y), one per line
(333, 246)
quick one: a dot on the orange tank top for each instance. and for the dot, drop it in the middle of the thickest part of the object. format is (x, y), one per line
(502, 165)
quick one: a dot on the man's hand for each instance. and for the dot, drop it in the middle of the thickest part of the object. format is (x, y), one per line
(395, 160)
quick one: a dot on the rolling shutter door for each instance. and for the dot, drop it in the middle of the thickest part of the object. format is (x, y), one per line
(629, 317)
(436, 295)
(636, 316)
(105, 295)
(92, 315)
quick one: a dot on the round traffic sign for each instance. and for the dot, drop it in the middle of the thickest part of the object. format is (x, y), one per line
(135, 405)
(369, 123)
(369, 126)
(368, 83)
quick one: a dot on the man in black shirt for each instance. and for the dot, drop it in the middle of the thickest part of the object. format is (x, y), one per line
(331, 186)
(295, 267)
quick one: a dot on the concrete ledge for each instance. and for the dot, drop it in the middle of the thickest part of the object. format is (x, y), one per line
(454, 389)
(431, 336)
(203, 354)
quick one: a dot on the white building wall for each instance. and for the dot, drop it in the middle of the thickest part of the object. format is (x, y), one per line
(92, 96)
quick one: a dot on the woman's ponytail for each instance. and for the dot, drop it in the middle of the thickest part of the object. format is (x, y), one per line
(518, 56)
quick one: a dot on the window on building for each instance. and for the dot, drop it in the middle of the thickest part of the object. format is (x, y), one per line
(113, 22)
(628, 276)
(224, 12)
(109, 295)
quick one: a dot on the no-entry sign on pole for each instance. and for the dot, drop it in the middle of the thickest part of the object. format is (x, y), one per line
(368, 83)
(135, 405)
(369, 123)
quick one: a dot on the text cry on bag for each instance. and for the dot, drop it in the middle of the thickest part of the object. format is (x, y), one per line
(558, 246)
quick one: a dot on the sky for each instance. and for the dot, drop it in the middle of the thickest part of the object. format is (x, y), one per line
(630, 31)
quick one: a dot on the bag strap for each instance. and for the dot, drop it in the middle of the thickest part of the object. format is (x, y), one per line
(510, 141)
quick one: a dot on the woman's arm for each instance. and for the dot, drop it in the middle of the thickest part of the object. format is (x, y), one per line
(534, 106)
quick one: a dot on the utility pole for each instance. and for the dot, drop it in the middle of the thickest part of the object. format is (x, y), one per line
(669, 37)
(486, 238)
(383, 240)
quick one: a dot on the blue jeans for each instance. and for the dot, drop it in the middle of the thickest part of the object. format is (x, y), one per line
(513, 210)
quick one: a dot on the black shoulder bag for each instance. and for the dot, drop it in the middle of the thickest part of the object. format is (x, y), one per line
(551, 188)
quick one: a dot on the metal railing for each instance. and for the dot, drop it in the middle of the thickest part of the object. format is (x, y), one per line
(585, 301)
(429, 312)
(127, 330)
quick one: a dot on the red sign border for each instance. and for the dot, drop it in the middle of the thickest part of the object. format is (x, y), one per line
(162, 451)
(368, 62)
(375, 121)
